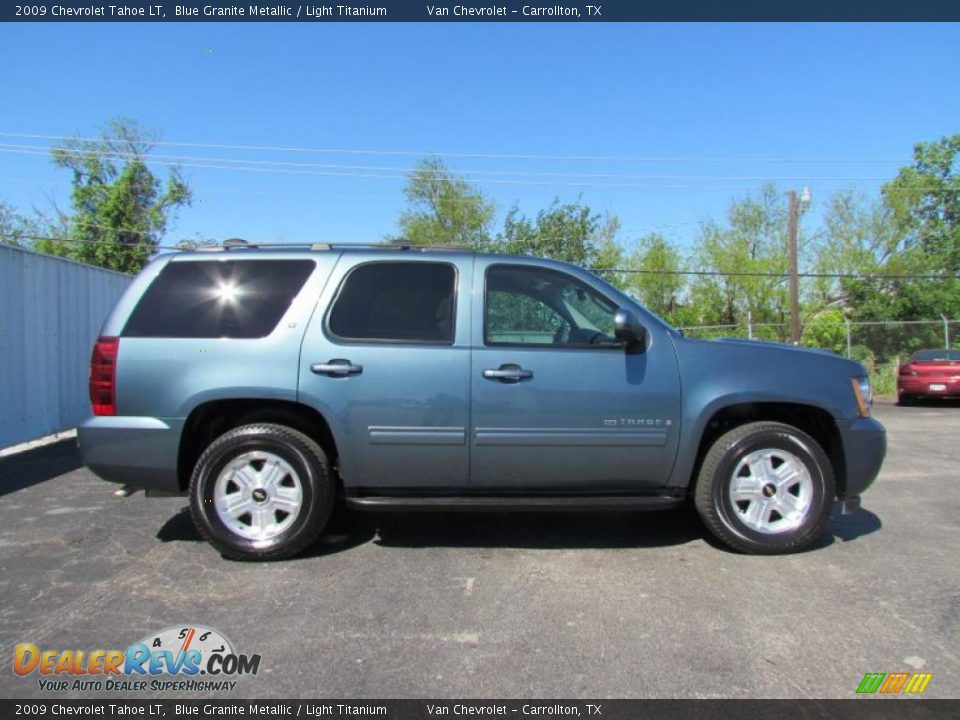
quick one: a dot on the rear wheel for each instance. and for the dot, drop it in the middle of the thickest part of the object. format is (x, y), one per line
(906, 400)
(262, 492)
(765, 488)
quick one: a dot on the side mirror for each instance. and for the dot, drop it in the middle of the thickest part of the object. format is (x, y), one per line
(629, 331)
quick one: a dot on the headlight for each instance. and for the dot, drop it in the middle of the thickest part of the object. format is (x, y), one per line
(863, 393)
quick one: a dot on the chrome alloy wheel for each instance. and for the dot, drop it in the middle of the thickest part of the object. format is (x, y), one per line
(771, 491)
(258, 495)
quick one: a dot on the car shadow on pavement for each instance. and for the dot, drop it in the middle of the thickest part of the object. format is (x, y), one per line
(539, 530)
(850, 527)
(930, 404)
(179, 528)
(578, 531)
(344, 531)
(32, 467)
(561, 530)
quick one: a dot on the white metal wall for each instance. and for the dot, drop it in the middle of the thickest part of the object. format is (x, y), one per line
(51, 310)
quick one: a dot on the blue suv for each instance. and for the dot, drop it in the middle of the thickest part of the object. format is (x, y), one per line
(271, 383)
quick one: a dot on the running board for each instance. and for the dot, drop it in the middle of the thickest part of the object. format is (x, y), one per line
(518, 504)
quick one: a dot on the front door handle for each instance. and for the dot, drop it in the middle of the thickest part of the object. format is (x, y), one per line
(336, 368)
(508, 373)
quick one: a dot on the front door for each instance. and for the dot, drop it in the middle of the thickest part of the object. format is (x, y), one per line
(558, 404)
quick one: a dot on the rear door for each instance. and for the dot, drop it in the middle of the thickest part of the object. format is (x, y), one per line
(558, 405)
(386, 360)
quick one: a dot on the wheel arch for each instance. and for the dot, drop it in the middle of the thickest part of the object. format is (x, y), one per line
(814, 421)
(209, 420)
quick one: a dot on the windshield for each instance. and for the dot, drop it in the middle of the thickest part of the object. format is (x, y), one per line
(935, 355)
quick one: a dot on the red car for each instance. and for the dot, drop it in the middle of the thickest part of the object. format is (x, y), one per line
(929, 374)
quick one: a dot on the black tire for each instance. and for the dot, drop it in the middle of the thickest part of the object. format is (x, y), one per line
(906, 400)
(722, 518)
(302, 454)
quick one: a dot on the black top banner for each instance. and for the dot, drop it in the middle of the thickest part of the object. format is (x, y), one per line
(441, 11)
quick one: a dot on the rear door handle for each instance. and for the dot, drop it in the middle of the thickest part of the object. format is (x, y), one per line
(336, 368)
(508, 373)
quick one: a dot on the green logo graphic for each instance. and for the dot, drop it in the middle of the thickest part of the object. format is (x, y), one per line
(894, 683)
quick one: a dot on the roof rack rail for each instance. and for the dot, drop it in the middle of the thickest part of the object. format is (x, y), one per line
(240, 243)
(392, 245)
(404, 245)
(236, 243)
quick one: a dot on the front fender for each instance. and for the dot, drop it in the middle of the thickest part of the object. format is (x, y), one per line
(719, 375)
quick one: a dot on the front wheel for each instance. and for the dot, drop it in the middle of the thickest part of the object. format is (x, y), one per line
(262, 492)
(765, 488)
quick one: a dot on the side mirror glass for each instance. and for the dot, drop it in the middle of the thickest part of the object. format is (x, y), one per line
(629, 331)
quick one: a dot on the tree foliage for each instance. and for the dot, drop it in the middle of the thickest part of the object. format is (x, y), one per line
(120, 208)
(658, 282)
(16, 229)
(445, 209)
(570, 232)
(913, 230)
(925, 201)
(924, 206)
(749, 259)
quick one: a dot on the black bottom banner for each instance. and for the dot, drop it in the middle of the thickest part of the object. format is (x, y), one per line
(863, 708)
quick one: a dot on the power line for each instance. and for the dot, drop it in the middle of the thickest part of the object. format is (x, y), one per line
(183, 159)
(492, 156)
(218, 165)
(234, 164)
(213, 166)
(379, 176)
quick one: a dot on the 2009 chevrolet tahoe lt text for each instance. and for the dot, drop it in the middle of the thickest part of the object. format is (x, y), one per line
(270, 383)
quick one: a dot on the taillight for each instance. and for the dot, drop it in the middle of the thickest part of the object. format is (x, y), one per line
(908, 370)
(103, 376)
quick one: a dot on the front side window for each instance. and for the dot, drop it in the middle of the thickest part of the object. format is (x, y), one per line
(412, 302)
(218, 298)
(528, 305)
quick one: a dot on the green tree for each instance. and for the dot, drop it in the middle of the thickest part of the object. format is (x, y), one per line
(445, 209)
(120, 208)
(826, 330)
(658, 281)
(15, 229)
(925, 200)
(571, 232)
(912, 232)
(858, 238)
(750, 262)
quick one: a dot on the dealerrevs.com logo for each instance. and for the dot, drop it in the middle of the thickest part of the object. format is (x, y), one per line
(181, 658)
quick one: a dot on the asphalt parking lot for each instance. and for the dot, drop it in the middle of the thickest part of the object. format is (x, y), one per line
(508, 605)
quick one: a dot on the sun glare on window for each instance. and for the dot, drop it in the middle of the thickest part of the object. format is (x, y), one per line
(227, 293)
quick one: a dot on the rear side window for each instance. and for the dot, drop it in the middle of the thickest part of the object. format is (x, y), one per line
(218, 299)
(396, 302)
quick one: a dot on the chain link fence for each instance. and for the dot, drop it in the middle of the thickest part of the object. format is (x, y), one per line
(880, 345)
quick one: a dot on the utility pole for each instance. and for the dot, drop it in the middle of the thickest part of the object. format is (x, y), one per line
(794, 279)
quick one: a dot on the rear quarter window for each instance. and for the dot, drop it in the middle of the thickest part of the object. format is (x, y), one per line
(218, 299)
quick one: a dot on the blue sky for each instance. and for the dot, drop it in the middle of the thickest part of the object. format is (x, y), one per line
(827, 96)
